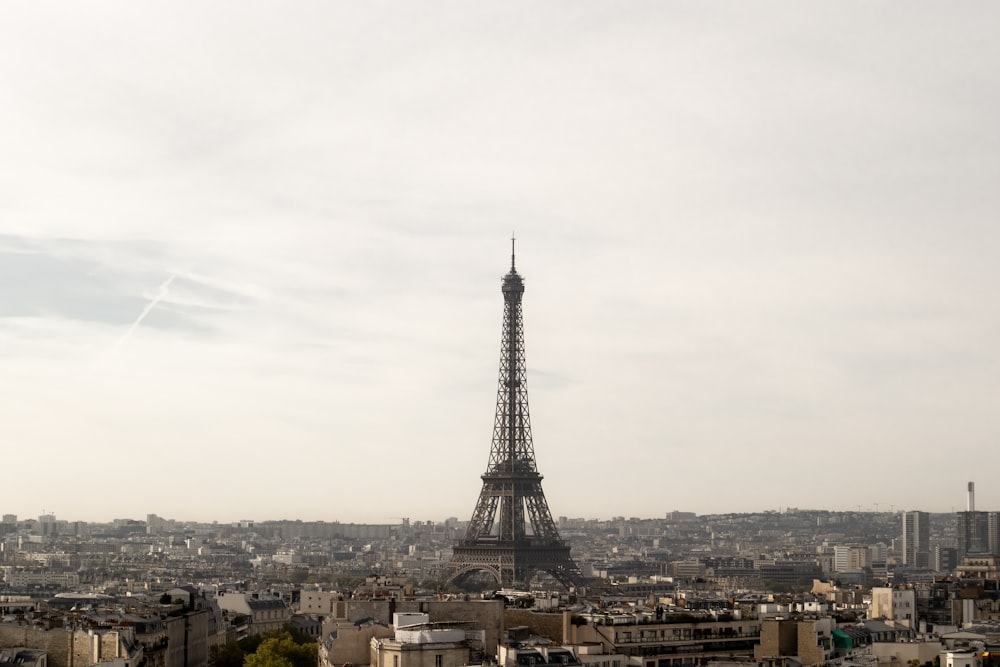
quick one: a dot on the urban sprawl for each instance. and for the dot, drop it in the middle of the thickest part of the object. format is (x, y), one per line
(784, 588)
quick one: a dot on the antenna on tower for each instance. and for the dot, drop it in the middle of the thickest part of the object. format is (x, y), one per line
(512, 250)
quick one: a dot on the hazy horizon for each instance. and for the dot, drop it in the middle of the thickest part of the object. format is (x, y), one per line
(437, 520)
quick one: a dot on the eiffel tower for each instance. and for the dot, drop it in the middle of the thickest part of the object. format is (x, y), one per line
(511, 534)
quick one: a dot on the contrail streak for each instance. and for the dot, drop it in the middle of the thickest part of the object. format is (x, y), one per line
(145, 311)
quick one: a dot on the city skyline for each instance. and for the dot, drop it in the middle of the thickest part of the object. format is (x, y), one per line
(252, 255)
(144, 517)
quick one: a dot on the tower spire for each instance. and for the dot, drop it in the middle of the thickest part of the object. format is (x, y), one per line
(512, 269)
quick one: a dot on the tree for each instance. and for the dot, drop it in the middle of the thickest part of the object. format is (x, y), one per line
(282, 650)
(227, 655)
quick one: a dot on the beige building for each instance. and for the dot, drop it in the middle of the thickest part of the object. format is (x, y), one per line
(23, 657)
(417, 642)
(21, 578)
(485, 615)
(76, 648)
(979, 566)
(665, 644)
(543, 656)
(347, 643)
(187, 639)
(809, 640)
(905, 653)
(898, 605)
(320, 603)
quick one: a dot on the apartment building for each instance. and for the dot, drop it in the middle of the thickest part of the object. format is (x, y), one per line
(264, 613)
(809, 640)
(416, 642)
(678, 642)
(898, 604)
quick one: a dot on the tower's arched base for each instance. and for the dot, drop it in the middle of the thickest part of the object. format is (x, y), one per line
(513, 565)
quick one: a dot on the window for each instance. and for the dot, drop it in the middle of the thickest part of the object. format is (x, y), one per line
(437, 660)
(395, 661)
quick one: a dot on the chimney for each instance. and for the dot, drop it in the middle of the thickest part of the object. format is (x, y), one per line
(972, 497)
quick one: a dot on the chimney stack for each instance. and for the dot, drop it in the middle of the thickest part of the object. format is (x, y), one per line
(972, 496)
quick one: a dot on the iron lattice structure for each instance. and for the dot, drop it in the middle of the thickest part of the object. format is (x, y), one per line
(512, 534)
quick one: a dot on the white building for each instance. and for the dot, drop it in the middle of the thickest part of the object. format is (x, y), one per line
(960, 659)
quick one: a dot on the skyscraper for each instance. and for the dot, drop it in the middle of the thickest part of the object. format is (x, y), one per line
(916, 539)
(973, 533)
(978, 532)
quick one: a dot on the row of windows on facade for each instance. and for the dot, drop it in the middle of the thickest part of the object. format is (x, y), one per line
(685, 633)
(438, 660)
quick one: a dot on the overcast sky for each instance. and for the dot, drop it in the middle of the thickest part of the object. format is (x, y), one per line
(250, 255)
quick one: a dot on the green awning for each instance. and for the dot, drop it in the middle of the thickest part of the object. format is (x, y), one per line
(841, 639)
